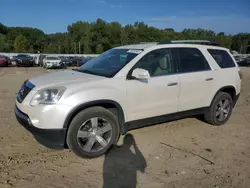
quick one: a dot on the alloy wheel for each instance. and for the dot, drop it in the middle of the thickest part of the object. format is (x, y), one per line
(222, 109)
(94, 134)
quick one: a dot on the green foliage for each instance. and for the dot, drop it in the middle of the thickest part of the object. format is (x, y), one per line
(240, 41)
(4, 46)
(99, 36)
(99, 49)
(51, 48)
(21, 44)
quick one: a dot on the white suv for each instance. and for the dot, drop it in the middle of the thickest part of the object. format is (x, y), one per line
(52, 62)
(125, 88)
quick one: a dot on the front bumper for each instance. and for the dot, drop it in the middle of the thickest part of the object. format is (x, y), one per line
(51, 138)
(25, 63)
(50, 65)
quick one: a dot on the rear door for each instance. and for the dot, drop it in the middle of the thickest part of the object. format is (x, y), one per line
(227, 73)
(196, 79)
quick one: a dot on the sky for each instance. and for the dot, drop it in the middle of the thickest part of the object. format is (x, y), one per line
(229, 16)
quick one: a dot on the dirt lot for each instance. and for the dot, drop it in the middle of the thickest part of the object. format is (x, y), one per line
(184, 153)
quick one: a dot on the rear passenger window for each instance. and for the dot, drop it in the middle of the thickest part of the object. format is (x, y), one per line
(222, 58)
(191, 60)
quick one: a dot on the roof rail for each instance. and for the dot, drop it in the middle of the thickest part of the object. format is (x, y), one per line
(205, 42)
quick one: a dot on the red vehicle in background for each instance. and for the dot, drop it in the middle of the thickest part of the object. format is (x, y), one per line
(4, 61)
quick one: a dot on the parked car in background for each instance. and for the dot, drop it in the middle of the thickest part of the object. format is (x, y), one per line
(242, 61)
(9, 60)
(66, 61)
(52, 62)
(248, 60)
(23, 60)
(76, 61)
(12, 60)
(85, 60)
(4, 61)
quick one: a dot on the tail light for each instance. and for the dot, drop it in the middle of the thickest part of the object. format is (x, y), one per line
(240, 74)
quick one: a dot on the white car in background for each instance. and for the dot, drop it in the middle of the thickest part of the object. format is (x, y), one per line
(52, 62)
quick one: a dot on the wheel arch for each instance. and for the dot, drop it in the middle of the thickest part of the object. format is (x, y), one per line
(228, 89)
(111, 105)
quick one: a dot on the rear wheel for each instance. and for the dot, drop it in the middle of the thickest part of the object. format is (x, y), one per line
(92, 132)
(220, 110)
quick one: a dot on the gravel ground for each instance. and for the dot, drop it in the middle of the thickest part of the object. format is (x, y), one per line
(183, 153)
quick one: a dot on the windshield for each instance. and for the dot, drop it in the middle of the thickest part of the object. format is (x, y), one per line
(24, 56)
(109, 62)
(52, 58)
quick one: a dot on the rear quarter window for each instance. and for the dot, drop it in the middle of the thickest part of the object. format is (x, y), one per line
(222, 58)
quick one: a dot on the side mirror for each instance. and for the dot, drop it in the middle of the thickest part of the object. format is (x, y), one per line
(140, 74)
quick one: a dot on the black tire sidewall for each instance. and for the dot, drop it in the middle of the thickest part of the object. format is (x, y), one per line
(221, 96)
(83, 116)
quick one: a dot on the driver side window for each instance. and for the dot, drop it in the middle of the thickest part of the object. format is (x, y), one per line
(157, 63)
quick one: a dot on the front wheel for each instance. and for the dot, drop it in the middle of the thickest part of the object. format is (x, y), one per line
(92, 132)
(220, 110)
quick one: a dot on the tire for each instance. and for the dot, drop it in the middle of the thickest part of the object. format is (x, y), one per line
(83, 121)
(212, 117)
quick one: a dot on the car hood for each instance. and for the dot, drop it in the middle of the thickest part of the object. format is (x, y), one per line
(62, 78)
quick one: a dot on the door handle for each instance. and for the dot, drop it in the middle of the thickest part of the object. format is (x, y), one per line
(172, 84)
(209, 79)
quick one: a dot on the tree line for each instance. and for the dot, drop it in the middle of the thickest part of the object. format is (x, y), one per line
(96, 37)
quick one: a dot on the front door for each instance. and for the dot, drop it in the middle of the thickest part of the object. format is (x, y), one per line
(157, 95)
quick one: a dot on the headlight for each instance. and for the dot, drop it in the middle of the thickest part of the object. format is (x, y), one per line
(47, 96)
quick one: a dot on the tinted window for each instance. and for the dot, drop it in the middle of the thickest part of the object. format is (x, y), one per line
(157, 63)
(22, 55)
(52, 58)
(191, 60)
(222, 58)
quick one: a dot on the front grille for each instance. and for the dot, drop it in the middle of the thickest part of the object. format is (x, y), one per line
(25, 61)
(24, 91)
